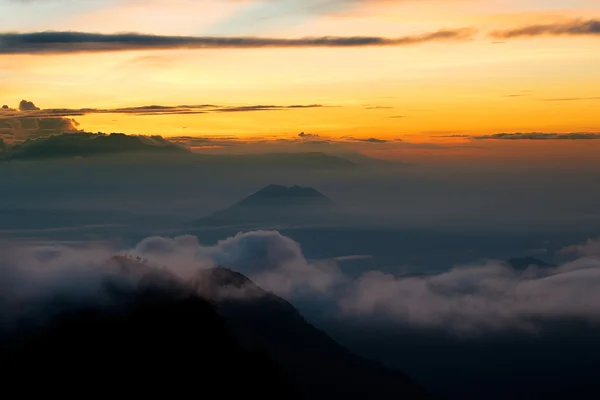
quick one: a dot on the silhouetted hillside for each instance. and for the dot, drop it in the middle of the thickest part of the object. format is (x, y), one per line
(153, 339)
(323, 368)
(81, 144)
(146, 332)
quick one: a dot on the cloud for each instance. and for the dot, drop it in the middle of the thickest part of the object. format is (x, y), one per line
(81, 42)
(480, 298)
(308, 135)
(577, 27)
(483, 297)
(317, 142)
(364, 140)
(275, 262)
(263, 108)
(30, 274)
(32, 121)
(573, 98)
(27, 106)
(590, 248)
(342, 146)
(538, 136)
(15, 129)
(457, 136)
(373, 140)
(29, 110)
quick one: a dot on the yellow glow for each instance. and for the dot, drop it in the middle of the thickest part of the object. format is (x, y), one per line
(473, 87)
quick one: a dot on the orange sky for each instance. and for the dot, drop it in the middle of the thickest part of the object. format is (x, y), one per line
(547, 83)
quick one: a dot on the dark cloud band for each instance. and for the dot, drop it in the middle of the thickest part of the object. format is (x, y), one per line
(574, 28)
(81, 42)
(540, 136)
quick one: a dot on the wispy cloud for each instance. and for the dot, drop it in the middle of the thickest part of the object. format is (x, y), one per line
(539, 136)
(28, 120)
(82, 42)
(577, 27)
(28, 109)
(363, 140)
(573, 98)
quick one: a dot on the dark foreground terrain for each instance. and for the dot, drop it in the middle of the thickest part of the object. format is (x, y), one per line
(148, 333)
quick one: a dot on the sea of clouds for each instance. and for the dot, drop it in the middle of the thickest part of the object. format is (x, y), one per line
(486, 296)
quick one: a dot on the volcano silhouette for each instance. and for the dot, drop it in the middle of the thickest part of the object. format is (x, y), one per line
(274, 205)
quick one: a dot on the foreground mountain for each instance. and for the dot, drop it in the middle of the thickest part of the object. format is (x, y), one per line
(144, 332)
(317, 364)
(82, 144)
(277, 204)
(145, 335)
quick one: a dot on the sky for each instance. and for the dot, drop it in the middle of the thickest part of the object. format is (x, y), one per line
(416, 71)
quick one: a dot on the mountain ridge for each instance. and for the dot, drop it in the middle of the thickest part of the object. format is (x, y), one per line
(262, 320)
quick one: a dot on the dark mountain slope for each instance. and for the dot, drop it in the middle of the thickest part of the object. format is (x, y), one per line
(324, 369)
(154, 339)
(147, 333)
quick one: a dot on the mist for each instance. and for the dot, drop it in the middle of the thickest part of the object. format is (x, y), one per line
(508, 311)
(464, 300)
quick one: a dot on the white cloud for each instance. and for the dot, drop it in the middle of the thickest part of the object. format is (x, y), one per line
(470, 299)
(589, 248)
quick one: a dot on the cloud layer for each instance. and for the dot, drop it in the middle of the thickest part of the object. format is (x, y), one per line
(32, 121)
(28, 109)
(466, 300)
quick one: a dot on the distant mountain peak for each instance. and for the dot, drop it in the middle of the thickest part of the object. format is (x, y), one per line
(281, 191)
(277, 204)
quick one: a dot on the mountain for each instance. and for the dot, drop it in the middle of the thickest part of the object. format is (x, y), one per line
(282, 196)
(522, 263)
(315, 362)
(276, 204)
(147, 334)
(83, 144)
